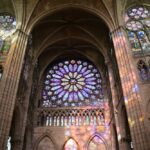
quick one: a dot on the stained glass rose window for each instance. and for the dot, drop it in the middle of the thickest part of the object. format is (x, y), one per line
(72, 83)
(137, 22)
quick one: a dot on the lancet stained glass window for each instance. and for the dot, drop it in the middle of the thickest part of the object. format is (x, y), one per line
(137, 21)
(72, 83)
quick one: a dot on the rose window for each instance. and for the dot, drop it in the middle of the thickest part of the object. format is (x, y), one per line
(72, 83)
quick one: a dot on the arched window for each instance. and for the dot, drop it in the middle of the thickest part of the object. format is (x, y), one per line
(143, 70)
(7, 25)
(72, 83)
(46, 144)
(138, 28)
(96, 144)
(71, 145)
(1, 71)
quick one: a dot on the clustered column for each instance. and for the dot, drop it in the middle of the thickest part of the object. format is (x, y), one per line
(130, 88)
(9, 84)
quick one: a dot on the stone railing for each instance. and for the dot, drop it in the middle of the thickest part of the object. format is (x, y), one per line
(70, 117)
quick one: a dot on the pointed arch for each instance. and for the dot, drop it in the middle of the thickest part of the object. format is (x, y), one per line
(96, 142)
(45, 140)
(71, 144)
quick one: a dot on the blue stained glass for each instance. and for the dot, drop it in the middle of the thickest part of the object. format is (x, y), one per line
(91, 83)
(90, 66)
(48, 76)
(79, 68)
(55, 80)
(87, 90)
(55, 88)
(71, 81)
(84, 93)
(75, 96)
(86, 72)
(90, 87)
(54, 83)
(62, 70)
(75, 67)
(80, 95)
(90, 79)
(89, 75)
(83, 69)
(55, 67)
(56, 76)
(47, 82)
(141, 34)
(66, 96)
(66, 69)
(47, 87)
(71, 67)
(59, 73)
(71, 96)
(58, 91)
(61, 94)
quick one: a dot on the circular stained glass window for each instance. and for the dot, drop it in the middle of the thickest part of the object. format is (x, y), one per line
(7, 22)
(72, 83)
(134, 25)
(138, 12)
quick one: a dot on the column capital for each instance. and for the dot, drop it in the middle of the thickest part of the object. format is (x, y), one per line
(22, 32)
(108, 62)
(116, 29)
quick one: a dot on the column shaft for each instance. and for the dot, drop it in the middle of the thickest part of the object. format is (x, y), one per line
(9, 84)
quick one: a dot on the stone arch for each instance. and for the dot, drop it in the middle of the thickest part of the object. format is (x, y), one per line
(45, 141)
(101, 146)
(108, 21)
(71, 139)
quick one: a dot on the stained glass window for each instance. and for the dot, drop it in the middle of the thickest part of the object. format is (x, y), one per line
(143, 70)
(72, 83)
(7, 25)
(137, 21)
(71, 145)
(96, 144)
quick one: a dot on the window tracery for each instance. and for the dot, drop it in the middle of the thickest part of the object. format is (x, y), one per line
(72, 83)
(143, 70)
(96, 144)
(137, 22)
(7, 25)
(71, 117)
(71, 145)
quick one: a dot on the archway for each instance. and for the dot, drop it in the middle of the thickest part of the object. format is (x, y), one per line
(45, 144)
(71, 144)
(96, 143)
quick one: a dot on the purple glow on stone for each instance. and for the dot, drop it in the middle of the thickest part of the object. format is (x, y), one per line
(71, 81)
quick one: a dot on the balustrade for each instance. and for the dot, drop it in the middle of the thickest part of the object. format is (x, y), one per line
(70, 117)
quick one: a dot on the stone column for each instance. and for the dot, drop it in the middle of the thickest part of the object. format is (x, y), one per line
(9, 84)
(114, 97)
(131, 91)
